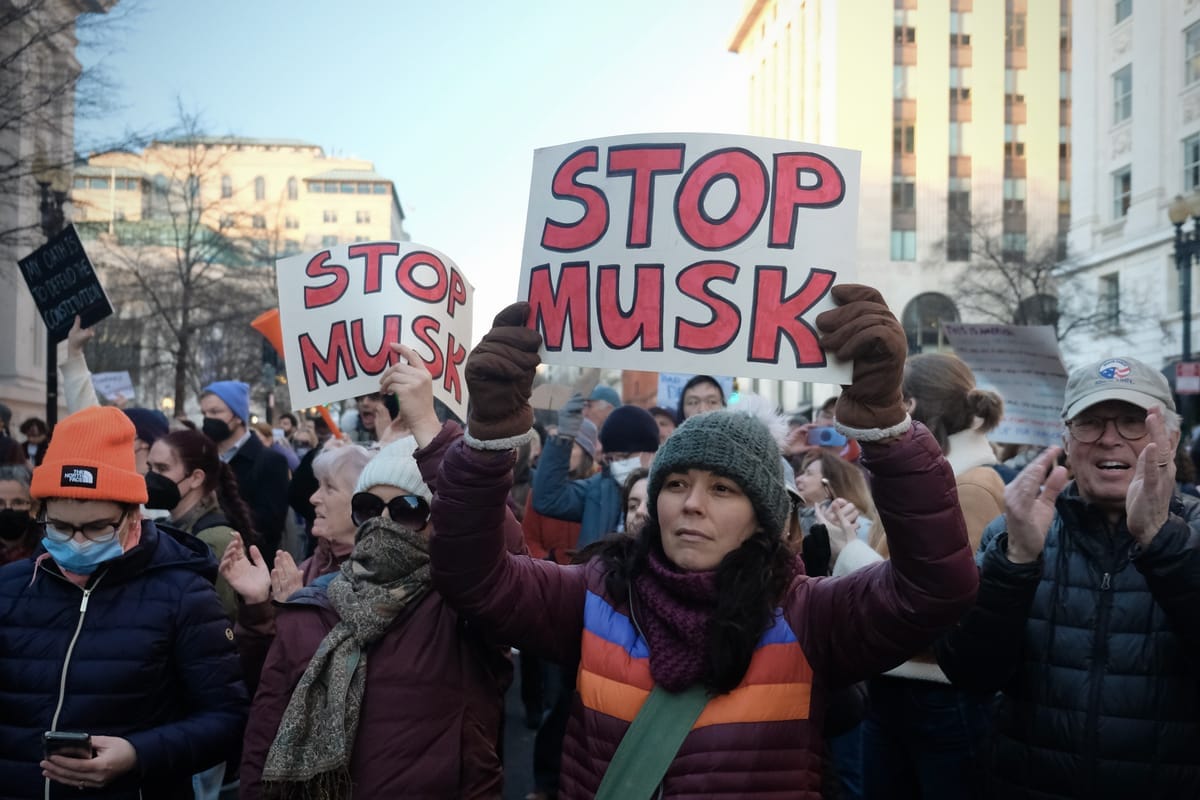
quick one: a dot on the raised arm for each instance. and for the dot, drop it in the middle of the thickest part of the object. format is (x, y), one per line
(870, 620)
(536, 605)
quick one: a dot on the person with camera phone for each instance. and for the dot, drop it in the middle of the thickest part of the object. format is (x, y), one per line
(118, 673)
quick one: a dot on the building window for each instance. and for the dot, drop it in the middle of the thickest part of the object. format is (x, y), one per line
(904, 193)
(1064, 197)
(1038, 309)
(80, 182)
(347, 188)
(291, 223)
(328, 241)
(958, 245)
(293, 189)
(903, 85)
(1014, 85)
(226, 221)
(226, 186)
(1110, 301)
(260, 188)
(315, 186)
(362, 217)
(1191, 163)
(1014, 140)
(905, 32)
(1014, 195)
(957, 137)
(330, 216)
(1064, 85)
(922, 320)
(363, 188)
(1191, 54)
(958, 198)
(1014, 30)
(331, 187)
(904, 138)
(1064, 141)
(192, 185)
(1123, 94)
(291, 247)
(904, 245)
(960, 28)
(960, 83)
(379, 188)
(260, 222)
(1012, 246)
(1124, 9)
(1122, 191)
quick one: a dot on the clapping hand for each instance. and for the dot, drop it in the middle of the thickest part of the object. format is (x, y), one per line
(1029, 506)
(249, 576)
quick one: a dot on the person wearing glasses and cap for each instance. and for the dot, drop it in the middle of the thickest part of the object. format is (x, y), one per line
(112, 629)
(377, 628)
(1086, 619)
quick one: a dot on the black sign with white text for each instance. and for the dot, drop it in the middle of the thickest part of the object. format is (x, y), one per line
(64, 283)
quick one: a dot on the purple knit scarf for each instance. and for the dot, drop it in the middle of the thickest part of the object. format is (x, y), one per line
(675, 610)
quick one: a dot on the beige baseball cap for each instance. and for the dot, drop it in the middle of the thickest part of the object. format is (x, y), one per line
(1122, 378)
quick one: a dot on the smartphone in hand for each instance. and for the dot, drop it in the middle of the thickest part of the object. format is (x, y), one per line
(67, 743)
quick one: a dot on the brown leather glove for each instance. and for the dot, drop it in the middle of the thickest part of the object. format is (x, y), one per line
(864, 330)
(499, 375)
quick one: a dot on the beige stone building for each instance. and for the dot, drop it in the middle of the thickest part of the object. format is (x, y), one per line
(283, 191)
(37, 125)
(961, 109)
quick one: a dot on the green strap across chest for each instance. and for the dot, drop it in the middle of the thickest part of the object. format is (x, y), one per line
(651, 743)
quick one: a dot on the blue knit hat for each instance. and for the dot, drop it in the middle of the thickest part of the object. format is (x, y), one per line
(605, 393)
(234, 394)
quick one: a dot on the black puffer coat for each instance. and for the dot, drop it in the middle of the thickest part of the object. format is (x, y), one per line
(1096, 649)
(144, 653)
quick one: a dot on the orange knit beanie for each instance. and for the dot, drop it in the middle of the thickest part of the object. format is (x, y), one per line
(90, 457)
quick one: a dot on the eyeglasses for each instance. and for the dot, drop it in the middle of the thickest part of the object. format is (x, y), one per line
(407, 509)
(100, 532)
(1088, 429)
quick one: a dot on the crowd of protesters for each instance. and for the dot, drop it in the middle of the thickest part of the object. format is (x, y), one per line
(708, 600)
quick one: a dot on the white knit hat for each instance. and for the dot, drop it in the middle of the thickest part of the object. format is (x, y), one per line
(395, 466)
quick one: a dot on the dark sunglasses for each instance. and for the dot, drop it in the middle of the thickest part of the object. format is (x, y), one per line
(407, 509)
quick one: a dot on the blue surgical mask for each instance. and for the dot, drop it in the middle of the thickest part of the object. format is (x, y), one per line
(82, 558)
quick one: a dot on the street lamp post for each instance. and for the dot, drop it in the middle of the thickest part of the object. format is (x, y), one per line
(51, 183)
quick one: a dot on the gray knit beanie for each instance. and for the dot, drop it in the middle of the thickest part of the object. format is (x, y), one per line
(732, 444)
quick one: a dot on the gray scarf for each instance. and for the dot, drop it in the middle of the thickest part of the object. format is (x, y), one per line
(310, 757)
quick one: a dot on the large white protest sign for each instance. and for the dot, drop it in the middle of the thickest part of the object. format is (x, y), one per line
(341, 307)
(689, 253)
(1021, 363)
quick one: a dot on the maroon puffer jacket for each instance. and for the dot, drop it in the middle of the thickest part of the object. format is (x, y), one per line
(846, 628)
(431, 714)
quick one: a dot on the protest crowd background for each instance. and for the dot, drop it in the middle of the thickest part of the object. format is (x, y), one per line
(871, 601)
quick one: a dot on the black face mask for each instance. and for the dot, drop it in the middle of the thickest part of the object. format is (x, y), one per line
(164, 492)
(216, 429)
(14, 524)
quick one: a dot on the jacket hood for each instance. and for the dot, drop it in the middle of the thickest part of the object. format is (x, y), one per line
(161, 547)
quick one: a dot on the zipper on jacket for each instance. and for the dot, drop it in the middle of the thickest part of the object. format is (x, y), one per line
(1096, 674)
(62, 679)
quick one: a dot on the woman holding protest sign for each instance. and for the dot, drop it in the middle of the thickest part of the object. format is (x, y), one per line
(374, 685)
(706, 656)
